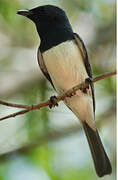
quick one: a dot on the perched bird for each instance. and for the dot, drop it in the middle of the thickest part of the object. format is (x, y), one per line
(63, 59)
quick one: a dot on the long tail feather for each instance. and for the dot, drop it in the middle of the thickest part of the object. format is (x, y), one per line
(100, 158)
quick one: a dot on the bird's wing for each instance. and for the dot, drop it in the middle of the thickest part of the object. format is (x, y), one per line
(84, 54)
(43, 67)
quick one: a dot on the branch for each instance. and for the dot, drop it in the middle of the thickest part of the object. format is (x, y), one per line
(29, 108)
(54, 135)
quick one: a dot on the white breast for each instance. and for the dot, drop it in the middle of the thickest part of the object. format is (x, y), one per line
(65, 65)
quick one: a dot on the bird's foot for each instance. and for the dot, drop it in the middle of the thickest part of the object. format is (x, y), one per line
(53, 102)
(87, 80)
(71, 94)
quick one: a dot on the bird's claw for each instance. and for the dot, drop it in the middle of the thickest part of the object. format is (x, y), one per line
(71, 94)
(88, 80)
(53, 103)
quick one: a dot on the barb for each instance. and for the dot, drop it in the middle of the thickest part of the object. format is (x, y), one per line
(29, 108)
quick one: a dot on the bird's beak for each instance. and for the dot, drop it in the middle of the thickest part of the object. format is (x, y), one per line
(24, 12)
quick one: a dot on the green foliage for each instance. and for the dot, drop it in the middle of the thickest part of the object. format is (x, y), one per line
(8, 9)
(79, 174)
(36, 121)
(4, 165)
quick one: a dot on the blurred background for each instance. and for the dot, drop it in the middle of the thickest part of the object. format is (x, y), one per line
(50, 144)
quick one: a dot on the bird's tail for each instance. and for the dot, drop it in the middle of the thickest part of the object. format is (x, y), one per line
(100, 158)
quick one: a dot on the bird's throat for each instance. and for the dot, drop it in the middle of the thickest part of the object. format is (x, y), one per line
(53, 36)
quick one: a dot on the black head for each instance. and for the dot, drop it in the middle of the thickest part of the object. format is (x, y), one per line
(52, 25)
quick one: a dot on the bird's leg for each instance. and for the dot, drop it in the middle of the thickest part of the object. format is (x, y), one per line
(53, 103)
(88, 80)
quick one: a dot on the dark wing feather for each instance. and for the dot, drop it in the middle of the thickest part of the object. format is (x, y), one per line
(43, 67)
(84, 54)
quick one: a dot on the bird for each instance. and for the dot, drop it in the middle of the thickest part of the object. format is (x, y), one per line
(63, 59)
